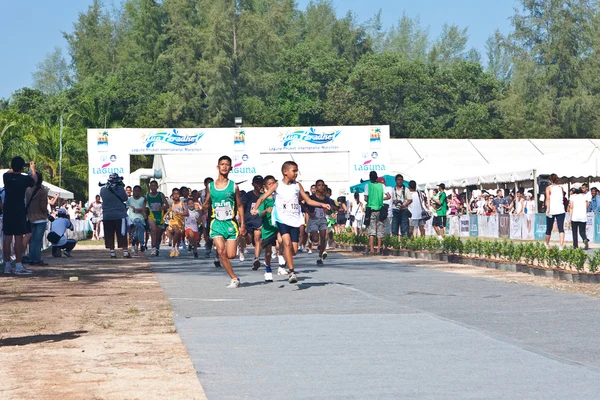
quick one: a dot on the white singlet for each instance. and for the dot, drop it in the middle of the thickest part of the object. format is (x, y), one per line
(191, 221)
(287, 207)
(556, 200)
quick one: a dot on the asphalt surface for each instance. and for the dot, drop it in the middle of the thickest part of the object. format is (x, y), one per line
(361, 328)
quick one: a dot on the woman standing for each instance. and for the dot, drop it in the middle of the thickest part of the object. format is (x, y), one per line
(357, 214)
(37, 214)
(416, 209)
(578, 206)
(555, 210)
(519, 204)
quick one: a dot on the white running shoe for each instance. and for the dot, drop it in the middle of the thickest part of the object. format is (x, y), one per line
(293, 278)
(126, 254)
(242, 257)
(300, 249)
(281, 271)
(235, 283)
(309, 251)
(21, 270)
(268, 277)
(281, 260)
(153, 251)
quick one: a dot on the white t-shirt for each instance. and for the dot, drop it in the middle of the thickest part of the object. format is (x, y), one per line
(416, 209)
(191, 221)
(588, 196)
(287, 207)
(355, 209)
(60, 226)
(579, 212)
(390, 202)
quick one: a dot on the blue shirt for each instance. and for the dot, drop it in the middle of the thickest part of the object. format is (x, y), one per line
(595, 204)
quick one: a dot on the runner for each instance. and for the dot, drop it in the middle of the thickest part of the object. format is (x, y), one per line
(136, 205)
(253, 222)
(207, 215)
(287, 214)
(177, 213)
(96, 208)
(223, 195)
(157, 205)
(192, 233)
(269, 234)
(441, 205)
(317, 220)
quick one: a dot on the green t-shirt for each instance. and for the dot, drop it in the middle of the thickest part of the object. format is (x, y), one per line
(375, 193)
(268, 229)
(443, 210)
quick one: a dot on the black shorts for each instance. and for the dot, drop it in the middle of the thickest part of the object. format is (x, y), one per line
(293, 231)
(439, 221)
(14, 224)
(270, 241)
(252, 226)
(341, 219)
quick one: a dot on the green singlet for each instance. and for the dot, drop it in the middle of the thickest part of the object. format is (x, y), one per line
(223, 212)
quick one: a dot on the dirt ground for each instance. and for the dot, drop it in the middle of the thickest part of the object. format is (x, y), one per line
(108, 335)
(589, 289)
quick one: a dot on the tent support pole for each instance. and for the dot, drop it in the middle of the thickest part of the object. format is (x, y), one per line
(535, 190)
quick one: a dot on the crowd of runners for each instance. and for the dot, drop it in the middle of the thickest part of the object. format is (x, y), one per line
(278, 218)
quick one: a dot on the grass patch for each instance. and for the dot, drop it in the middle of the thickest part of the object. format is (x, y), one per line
(133, 310)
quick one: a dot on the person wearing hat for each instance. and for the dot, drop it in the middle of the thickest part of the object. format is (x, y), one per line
(114, 215)
(441, 203)
(253, 222)
(59, 226)
(374, 196)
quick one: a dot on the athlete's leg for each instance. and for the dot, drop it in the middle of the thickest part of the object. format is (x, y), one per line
(257, 240)
(322, 242)
(288, 251)
(223, 250)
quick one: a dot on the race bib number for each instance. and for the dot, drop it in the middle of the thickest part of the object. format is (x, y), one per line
(291, 208)
(224, 213)
(156, 206)
(319, 213)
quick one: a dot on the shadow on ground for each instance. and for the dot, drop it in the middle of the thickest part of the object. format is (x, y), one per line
(25, 340)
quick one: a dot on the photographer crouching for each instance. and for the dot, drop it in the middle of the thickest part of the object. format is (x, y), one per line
(114, 215)
(57, 237)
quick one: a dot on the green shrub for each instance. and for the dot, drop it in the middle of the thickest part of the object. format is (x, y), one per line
(594, 261)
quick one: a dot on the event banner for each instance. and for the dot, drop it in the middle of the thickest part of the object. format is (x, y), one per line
(464, 225)
(540, 227)
(504, 226)
(474, 228)
(597, 228)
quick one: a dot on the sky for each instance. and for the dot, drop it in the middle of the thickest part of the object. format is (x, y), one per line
(36, 26)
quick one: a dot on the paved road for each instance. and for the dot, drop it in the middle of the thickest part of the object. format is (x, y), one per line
(360, 328)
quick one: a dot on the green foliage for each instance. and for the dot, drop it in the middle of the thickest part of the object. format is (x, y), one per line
(594, 261)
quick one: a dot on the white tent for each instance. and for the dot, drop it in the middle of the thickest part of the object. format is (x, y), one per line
(52, 189)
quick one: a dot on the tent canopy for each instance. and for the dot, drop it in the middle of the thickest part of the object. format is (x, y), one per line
(52, 189)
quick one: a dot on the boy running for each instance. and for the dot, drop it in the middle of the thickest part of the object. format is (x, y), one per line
(269, 233)
(192, 233)
(157, 205)
(222, 196)
(177, 212)
(317, 220)
(253, 222)
(287, 213)
(136, 206)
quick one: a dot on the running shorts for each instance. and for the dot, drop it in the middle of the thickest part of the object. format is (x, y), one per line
(293, 231)
(228, 230)
(439, 221)
(253, 225)
(270, 241)
(190, 233)
(317, 224)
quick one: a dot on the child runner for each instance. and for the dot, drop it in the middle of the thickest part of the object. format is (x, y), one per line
(96, 208)
(206, 219)
(191, 226)
(253, 222)
(157, 204)
(223, 195)
(136, 206)
(287, 212)
(317, 220)
(178, 212)
(269, 233)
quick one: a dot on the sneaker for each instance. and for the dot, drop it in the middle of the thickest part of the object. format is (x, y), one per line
(281, 260)
(242, 257)
(67, 253)
(189, 248)
(561, 248)
(126, 254)
(320, 262)
(172, 253)
(293, 278)
(157, 252)
(367, 253)
(235, 283)
(324, 255)
(20, 270)
(153, 251)
(281, 271)
(142, 248)
(300, 249)
(268, 277)
(309, 251)
(586, 245)
(207, 254)
(176, 252)
(195, 254)
(8, 269)
(256, 264)
(113, 254)
(135, 252)
(217, 263)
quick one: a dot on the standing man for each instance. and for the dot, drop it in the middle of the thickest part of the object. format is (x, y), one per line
(441, 203)
(401, 200)
(375, 226)
(595, 202)
(15, 213)
(115, 215)
(501, 203)
(586, 192)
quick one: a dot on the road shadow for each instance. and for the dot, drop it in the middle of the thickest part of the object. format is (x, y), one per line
(25, 340)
